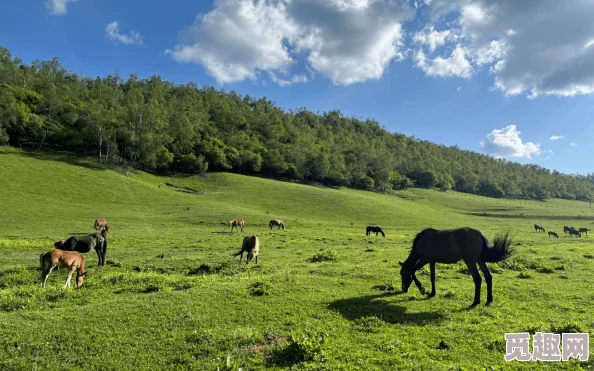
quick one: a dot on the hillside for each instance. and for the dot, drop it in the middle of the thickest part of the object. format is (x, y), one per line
(172, 296)
(152, 124)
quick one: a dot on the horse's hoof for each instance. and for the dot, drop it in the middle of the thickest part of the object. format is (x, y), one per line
(488, 303)
(474, 304)
(432, 294)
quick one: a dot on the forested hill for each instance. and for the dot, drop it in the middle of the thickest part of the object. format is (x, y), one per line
(157, 125)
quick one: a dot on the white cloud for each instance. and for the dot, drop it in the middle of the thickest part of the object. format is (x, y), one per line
(113, 33)
(533, 48)
(428, 36)
(455, 65)
(348, 41)
(556, 137)
(58, 7)
(506, 142)
(284, 82)
(458, 88)
(573, 144)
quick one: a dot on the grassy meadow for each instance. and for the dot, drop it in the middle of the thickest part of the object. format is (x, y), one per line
(323, 296)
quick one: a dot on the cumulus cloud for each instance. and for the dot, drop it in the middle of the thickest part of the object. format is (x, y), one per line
(506, 142)
(533, 48)
(58, 7)
(113, 33)
(556, 137)
(348, 41)
(455, 65)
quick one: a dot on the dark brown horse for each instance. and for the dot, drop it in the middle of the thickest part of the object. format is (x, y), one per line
(553, 234)
(374, 229)
(573, 232)
(84, 244)
(433, 246)
(583, 230)
(538, 227)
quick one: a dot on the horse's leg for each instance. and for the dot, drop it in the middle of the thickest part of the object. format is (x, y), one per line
(98, 251)
(488, 279)
(476, 277)
(420, 264)
(45, 274)
(67, 284)
(432, 266)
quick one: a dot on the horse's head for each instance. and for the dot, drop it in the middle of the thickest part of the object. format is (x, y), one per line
(406, 277)
(80, 276)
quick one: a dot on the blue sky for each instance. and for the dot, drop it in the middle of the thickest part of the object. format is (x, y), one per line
(494, 77)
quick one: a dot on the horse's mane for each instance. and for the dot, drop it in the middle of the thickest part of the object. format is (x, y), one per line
(421, 233)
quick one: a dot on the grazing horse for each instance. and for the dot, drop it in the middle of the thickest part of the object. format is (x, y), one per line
(236, 223)
(100, 224)
(63, 259)
(538, 227)
(553, 234)
(450, 246)
(251, 245)
(572, 232)
(566, 229)
(370, 229)
(84, 244)
(583, 230)
(278, 223)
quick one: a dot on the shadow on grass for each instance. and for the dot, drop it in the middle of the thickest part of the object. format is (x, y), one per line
(84, 161)
(380, 307)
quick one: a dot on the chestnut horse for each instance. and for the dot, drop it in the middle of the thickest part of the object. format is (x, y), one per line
(236, 223)
(251, 245)
(276, 222)
(72, 260)
(450, 246)
(100, 224)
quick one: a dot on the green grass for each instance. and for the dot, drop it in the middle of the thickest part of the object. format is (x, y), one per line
(323, 296)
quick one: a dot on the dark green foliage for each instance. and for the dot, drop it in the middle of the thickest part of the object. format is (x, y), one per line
(152, 124)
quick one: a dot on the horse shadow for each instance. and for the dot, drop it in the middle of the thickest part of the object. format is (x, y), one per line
(380, 307)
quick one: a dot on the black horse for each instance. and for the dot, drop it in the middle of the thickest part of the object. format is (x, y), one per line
(370, 229)
(84, 244)
(449, 247)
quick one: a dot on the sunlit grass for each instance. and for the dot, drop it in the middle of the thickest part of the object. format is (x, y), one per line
(322, 296)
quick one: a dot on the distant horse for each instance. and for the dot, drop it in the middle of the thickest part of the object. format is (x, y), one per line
(553, 234)
(236, 223)
(100, 224)
(276, 222)
(573, 232)
(251, 245)
(538, 227)
(566, 229)
(84, 244)
(450, 246)
(371, 229)
(583, 230)
(72, 260)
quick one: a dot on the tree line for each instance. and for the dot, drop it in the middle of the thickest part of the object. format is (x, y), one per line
(159, 126)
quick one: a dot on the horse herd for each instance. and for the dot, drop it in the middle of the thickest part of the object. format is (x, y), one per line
(567, 230)
(430, 246)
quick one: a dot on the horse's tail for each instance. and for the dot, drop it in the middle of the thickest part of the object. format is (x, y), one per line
(238, 253)
(500, 250)
(41, 260)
